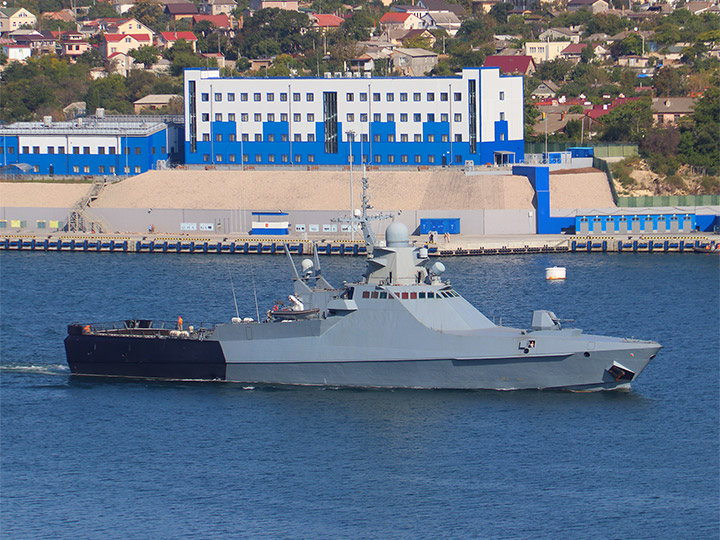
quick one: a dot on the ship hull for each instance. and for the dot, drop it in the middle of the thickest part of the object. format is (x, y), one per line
(264, 364)
(142, 357)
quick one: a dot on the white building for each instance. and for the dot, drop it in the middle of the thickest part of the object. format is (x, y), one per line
(422, 121)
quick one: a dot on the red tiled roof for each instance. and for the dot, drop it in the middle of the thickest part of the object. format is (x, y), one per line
(395, 17)
(119, 37)
(175, 36)
(509, 64)
(574, 48)
(326, 20)
(221, 21)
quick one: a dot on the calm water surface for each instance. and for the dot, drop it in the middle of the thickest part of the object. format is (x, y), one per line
(108, 459)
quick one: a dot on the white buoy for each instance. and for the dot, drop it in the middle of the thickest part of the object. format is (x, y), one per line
(555, 272)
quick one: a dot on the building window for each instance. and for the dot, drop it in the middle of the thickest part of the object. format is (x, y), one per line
(311, 137)
(403, 159)
(377, 158)
(86, 169)
(218, 137)
(243, 96)
(376, 97)
(218, 96)
(311, 158)
(50, 150)
(257, 117)
(36, 168)
(502, 136)
(350, 117)
(391, 117)
(127, 148)
(231, 96)
(502, 116)
(246, 158)
(258, 158)
(205, 96)
(271, 117)
(218, 158)
(111, 169)
(443, 117)
(76, 168)
(457, 96)
(231, 117)
(349, 96)
(297, 117)
(245, 137)
(270, 96)
(232, 137)
(257, 96)
(391, 137)
(403, 117)
(310, 96)
(404, 137)
(283, 96)
(418, 137)
(11, 150)
(152, 150)
(431, 138)
(403, 96)
(363, 96)
(284, 158)
(36, 149)
(376, 117)
(298, 158)
(126, 169)
(330, 121)
(112, 150)
(231, 158)
(162, 149)
(417, 117)
(418, 159)
(391, 158)
(311, 117)
(363, 117)
(444, 137)
(390, 96)
(431, 96)
(26, 150)
(206, 137)
(443, 96)
(271, 158)
(258, 137)
(431, 117)
(283, 137)
(431, 159)
(296, 96)
(271, 137)
(205, 117)
(376, 138)
(297, 137)
(458, 117)
(137, 169)
(86, 150)
(502, 96)
(416, 96)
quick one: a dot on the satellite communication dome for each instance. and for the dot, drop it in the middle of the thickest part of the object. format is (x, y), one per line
(397, 235)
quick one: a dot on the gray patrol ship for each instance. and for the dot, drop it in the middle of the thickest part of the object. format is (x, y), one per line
(400, 326)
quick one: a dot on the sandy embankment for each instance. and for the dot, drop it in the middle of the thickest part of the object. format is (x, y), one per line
(316, 190)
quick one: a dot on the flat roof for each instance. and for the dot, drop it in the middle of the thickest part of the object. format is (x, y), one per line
(85, 127)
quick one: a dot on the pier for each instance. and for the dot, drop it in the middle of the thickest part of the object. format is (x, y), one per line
(457, 246)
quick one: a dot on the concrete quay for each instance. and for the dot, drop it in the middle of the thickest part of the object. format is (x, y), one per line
(455, 246)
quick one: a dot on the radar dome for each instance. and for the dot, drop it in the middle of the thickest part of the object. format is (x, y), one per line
(397, 235)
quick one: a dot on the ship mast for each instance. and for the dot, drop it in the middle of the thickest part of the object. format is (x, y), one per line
(362, 217)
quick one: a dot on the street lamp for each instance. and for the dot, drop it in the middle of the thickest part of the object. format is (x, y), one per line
(351, 139)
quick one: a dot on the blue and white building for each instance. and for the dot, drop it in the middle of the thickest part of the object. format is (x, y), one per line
(422, 121)
(88, 146)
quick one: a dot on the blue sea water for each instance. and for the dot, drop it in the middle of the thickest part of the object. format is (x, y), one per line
(112, 459)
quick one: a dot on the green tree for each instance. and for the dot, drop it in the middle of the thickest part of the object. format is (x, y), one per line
(147, 55)
(109, 93)
(628, 122)
(668, 82)
(150, 14)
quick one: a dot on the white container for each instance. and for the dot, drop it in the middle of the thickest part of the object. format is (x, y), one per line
(555, 272)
